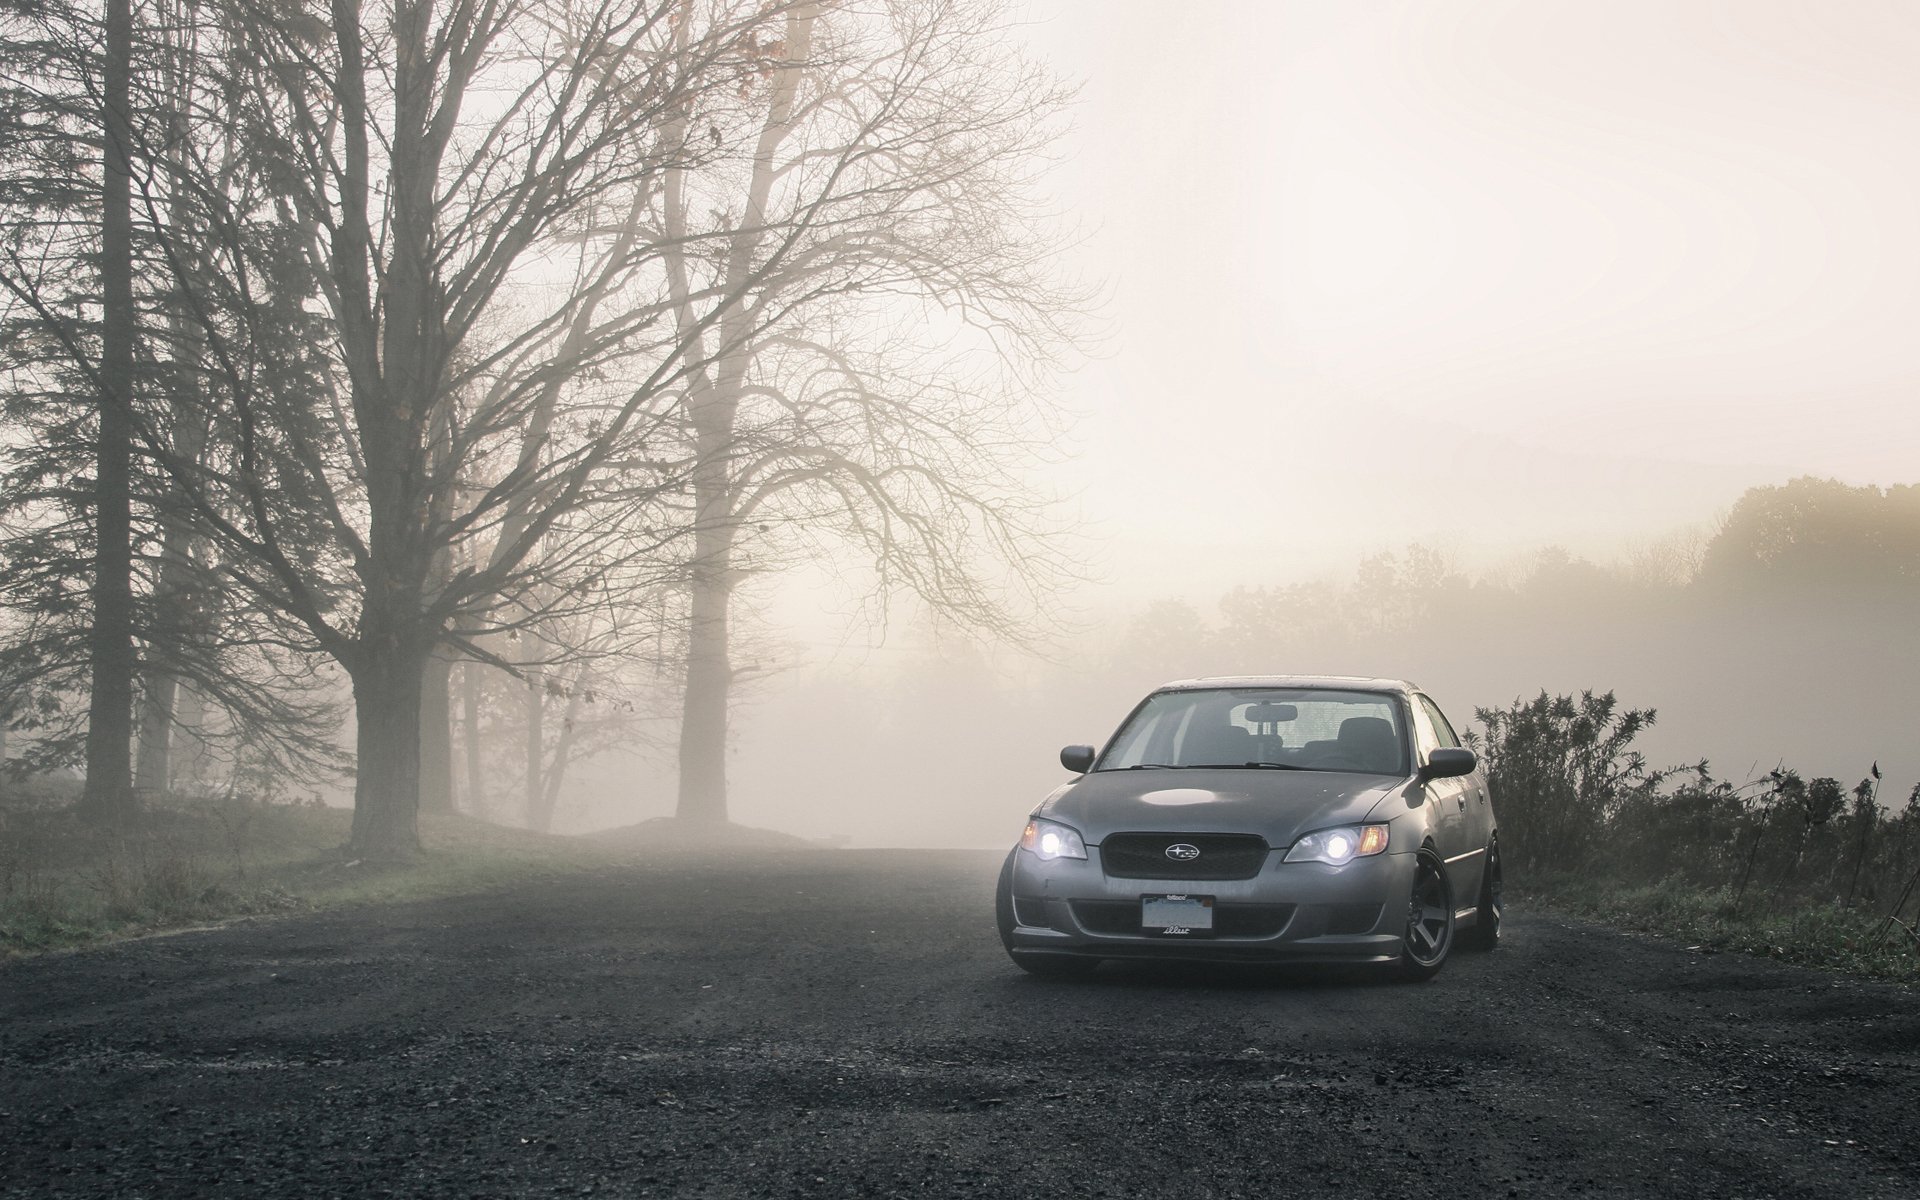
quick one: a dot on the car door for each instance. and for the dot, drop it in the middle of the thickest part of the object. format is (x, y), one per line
(1447, 801)
(1479, 800)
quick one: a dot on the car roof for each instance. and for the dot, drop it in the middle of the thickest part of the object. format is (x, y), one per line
(1344, 683)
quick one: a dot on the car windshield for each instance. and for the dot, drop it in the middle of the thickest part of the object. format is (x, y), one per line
(1305, 729)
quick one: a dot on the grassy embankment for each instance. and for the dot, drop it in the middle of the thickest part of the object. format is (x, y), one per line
(1792, 867)
(1856, 941)
(63, 883)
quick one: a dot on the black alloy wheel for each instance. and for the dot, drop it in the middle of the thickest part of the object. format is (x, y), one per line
(1429, 933)
(1485, 934)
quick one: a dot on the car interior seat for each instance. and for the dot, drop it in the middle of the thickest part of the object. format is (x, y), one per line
(1371, 744)
(1217, 745)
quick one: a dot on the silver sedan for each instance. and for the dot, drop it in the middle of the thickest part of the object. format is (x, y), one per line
(1263, 819)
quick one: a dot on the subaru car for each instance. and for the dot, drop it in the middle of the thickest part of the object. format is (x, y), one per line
(1261, 819)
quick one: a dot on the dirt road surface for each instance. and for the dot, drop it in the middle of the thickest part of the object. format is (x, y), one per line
(844, 1023)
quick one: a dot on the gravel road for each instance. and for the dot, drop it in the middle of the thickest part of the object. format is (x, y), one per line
(843, 1023)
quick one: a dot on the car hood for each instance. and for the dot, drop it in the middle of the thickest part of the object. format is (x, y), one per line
(1277, 805)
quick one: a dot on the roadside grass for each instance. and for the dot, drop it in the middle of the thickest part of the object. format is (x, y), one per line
(1814, 935)
(65, 884)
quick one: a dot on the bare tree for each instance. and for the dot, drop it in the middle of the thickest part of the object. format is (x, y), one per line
(866, 376)
(428, 174)
(419, 429)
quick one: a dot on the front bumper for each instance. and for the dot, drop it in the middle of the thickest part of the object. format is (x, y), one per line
(1288, 912)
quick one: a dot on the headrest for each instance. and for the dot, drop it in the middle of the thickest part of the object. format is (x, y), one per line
(1367, 729)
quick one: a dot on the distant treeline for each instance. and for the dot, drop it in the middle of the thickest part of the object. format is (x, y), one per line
(1770, 639)
(1809, 550)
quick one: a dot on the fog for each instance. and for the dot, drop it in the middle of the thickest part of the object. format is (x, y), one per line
(904, 388)
(1495, 275)
(1491, 279)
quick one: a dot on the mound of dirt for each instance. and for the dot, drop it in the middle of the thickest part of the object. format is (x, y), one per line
(671, 833)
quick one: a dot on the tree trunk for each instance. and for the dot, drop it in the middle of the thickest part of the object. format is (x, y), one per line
(187, 746)
(109, 795)
(392, 343)
(476, 796)
(703, 717)
(537, 815)
(562, 751)
(175, 610)
(161, 690)
(386, 788)
(436, 701)
(436, 734)
(714, 410)
(151, 766)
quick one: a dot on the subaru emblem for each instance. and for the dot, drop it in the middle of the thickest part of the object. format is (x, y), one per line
(1182, 852)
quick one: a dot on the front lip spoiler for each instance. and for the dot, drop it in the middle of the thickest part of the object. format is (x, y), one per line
(1359, 948)
(1213, 952)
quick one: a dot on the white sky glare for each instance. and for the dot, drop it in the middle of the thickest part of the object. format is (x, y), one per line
(1489, 275)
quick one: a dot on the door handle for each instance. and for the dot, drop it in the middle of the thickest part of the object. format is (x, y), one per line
(1462, 801)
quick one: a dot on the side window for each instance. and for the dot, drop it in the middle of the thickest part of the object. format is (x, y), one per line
(1441, 729)
(1423, 735)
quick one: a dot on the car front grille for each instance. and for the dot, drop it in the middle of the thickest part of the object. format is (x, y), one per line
(1121, 918)
(1221, 856)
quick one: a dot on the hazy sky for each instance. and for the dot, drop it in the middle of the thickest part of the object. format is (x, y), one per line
(1489, 274)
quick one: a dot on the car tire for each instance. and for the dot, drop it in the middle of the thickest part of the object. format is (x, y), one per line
(1429, 933)
(1485, 934)
(1047, 966)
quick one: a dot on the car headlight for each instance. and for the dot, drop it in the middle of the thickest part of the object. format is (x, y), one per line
(1341, 845)
(1051, 840)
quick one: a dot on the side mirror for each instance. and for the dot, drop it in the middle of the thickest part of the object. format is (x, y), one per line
(1078, 759)
(1448, 762)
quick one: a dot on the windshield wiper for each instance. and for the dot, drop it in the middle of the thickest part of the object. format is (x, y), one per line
(1245, 766)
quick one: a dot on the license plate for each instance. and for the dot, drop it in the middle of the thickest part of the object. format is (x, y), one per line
(1176, 916)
